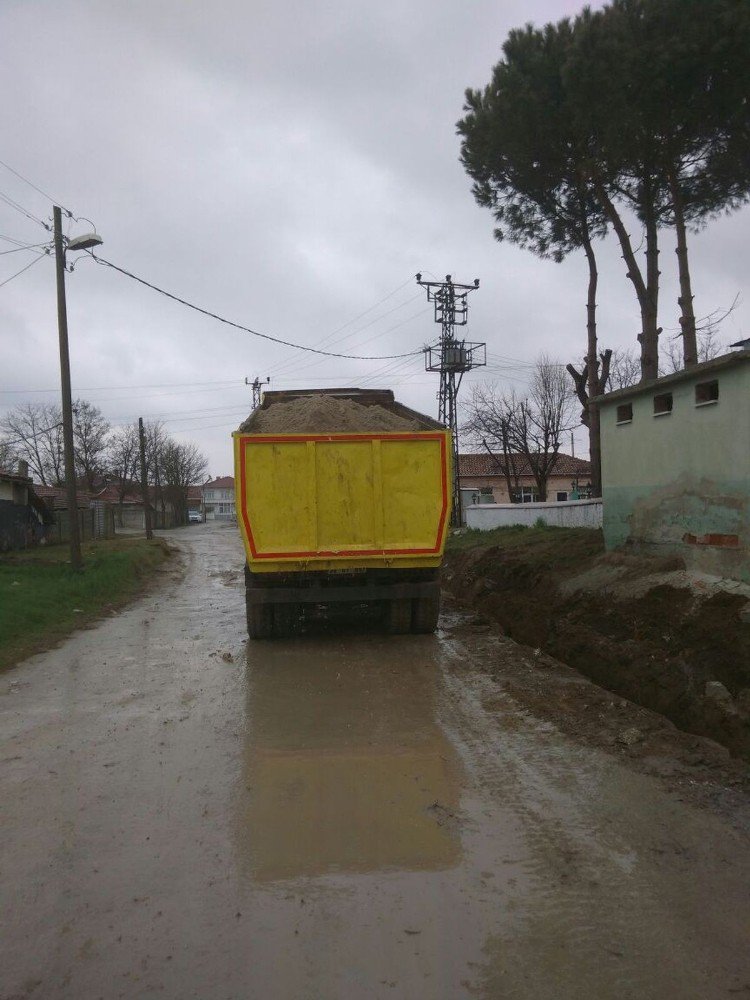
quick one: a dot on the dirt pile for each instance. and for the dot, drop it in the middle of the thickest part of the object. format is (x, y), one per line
(324, 414)
(638, 627)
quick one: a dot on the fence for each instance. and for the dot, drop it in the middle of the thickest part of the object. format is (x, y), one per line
(19, 526)
(96, 521)
(564, 514)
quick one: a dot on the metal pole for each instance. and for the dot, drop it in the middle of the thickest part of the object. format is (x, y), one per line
(76, 560)
(144, 481)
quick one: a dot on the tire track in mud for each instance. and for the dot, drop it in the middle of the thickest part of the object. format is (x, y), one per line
(588, 915)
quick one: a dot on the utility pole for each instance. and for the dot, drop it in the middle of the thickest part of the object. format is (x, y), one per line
(256, 385)
(144, 481)
(451, 358)
(76, 560)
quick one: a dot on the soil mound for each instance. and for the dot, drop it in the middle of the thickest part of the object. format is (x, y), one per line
(679, 650)
(321, 414)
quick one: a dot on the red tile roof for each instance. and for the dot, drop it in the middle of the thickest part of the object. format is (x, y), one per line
(57, 497)
(222, 483)
(486, 465)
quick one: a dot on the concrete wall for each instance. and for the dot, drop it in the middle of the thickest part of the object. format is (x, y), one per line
(680, 482)
(566, 514)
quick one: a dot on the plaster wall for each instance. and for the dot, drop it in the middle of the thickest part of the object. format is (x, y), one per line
(565, 514)
(680, 481)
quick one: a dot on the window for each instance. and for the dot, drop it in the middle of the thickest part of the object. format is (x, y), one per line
(662, 404)
(625, 413)
(527, 494)
(208, 495)
(707, 392)
(562, 496)
(486, 495)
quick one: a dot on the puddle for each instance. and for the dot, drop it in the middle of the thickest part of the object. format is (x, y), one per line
(345, 768)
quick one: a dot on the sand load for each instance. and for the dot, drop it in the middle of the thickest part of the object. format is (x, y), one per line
(321, 414)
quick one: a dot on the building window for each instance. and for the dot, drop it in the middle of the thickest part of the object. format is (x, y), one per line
(625, 413)
(707, 392)
(526, 494)
(208, 495)
(662, 404)
(562, 496)
(486, 495)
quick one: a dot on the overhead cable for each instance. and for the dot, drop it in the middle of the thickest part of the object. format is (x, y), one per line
(30, 264)
(37, 189)
(247, 329)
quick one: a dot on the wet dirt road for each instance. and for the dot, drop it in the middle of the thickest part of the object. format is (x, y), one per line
(336, 816)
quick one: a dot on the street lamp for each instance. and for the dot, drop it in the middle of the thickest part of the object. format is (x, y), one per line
(79, 243)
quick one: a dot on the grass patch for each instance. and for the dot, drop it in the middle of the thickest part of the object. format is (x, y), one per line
(542, 543)
(42, 600)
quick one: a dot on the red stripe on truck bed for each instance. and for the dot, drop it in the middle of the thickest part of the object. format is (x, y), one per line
(342, 553)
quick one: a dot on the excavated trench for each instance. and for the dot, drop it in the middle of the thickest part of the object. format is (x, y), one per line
(640, 627)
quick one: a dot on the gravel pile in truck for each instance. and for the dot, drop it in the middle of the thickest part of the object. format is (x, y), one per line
(343, 498)
(321, 413)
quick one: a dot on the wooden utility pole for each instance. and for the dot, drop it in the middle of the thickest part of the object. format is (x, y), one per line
(76, 560)
(144, 480)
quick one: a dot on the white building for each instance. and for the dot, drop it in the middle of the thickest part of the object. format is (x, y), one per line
(218, 499)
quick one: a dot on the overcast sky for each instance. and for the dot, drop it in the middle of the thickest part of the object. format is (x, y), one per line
(287, 165)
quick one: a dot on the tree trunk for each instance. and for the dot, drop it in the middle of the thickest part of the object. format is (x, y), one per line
(649, 336)
(592, 368)
(685, 301)
(651, 331)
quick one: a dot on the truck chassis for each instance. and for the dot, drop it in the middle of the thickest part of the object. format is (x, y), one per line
(409, 599)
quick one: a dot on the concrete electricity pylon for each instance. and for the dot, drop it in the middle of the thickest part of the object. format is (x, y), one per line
(256, 386)
(451, 358)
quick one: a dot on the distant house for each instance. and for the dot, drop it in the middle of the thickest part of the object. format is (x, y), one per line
(218, 499)
(482, 478)
(195, 499)
(676, 465)
(95, 514)
(24, 519)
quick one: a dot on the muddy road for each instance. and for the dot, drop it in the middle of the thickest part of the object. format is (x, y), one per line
(335, 817)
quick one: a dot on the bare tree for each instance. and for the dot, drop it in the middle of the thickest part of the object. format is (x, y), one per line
(530, 426)
(624, 370)
(589, 384)
(90, 430)
(182, 466)
(34, 433)
(122, 461)
(709, 347)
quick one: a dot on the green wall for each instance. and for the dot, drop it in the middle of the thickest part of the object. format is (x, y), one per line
(672, 480)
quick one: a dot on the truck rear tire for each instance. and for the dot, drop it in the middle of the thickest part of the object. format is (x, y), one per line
(398, 616)
(259, 620)
(425, 613)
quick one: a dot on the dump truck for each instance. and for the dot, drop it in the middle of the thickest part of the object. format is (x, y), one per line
(343, 497)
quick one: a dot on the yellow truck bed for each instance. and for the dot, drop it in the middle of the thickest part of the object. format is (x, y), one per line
(337, 501)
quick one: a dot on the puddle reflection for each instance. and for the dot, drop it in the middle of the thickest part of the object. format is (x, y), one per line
(345, 768)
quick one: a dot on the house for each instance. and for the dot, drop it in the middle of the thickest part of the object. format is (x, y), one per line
(95, 514)
(218, 499)
(676, 465)
(195, 499)
(23, 517)
(482, 477)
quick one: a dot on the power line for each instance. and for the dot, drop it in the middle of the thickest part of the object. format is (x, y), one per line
(30, 264)
(37, 189)
(33, 247)
(247, 329)
(33, 436)
(19, 208)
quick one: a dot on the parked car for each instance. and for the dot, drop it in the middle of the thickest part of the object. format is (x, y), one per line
(195, 517)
